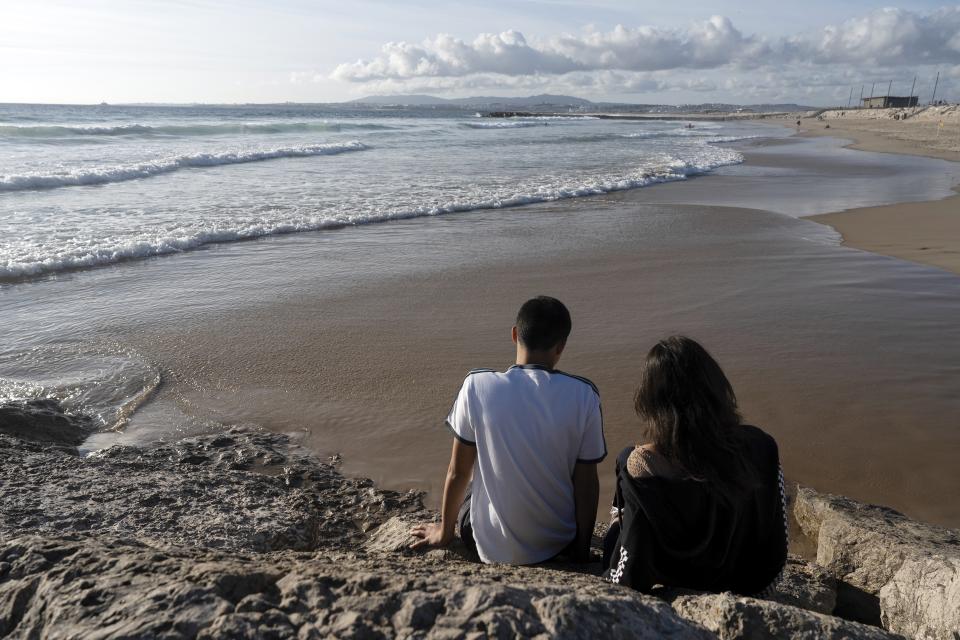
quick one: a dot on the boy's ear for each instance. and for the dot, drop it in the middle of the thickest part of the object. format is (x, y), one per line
(560, 347)
(513, 334)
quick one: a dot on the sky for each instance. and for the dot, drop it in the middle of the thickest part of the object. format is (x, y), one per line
(813, 52)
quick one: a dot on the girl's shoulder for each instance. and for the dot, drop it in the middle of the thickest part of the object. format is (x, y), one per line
(646, 462)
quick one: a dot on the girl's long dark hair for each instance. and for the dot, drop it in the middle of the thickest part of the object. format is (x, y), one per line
(690, 412)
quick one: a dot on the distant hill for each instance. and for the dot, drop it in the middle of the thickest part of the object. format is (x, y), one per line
(548, 102)
(412, 100)
(541, 100)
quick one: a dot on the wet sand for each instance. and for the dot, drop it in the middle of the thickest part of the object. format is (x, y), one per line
(925, 232)
(850, 360)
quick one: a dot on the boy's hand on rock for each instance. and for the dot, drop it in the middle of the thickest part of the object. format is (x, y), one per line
(429, 535)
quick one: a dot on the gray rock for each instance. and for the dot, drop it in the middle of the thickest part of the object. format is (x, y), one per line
(922, 599)
(100, 588)
(393, 536)
(241, 535)
(806, 586)
(198, 491)
(730, 617)
(905, 573)
(44, 421)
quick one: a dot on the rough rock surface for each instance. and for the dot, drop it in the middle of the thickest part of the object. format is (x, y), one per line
(242, 534)
(806, 586)
(44, 421)
(907, 570)
(198, 491)
(81, 587)
(730, 616)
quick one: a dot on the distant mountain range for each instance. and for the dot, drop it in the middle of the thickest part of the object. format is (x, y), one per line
(548, 102)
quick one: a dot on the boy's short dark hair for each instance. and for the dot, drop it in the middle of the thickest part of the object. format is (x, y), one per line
(543, 323)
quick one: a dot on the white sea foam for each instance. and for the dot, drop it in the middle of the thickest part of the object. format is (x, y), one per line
(177, 240)
(725, 139)
(104, 175)
(686, 133)
(504, 124)
(575, 118)
(546, 117)
(105, 386)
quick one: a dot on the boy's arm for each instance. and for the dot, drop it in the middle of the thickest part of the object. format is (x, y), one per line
(586, 497)
(459, 473)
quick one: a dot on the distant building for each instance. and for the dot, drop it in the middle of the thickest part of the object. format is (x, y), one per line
(890, 102)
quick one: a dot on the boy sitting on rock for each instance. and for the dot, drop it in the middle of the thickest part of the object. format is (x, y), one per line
(529, 439)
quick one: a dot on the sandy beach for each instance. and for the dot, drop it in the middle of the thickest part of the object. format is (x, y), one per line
(924, 232)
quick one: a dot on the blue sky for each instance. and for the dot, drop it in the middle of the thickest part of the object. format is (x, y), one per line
(256, 51)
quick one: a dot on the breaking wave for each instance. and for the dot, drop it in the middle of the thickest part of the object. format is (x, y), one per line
(105, 175)
(185, 130)
(506, 124)
(146, 245)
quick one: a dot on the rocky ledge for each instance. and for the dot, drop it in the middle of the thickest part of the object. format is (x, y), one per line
(243, 535)
(891, 571)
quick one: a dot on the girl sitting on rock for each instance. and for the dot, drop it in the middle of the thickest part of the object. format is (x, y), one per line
(701, 506)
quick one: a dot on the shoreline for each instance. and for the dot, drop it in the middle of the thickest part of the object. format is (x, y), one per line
(922, 232)
(926, 232)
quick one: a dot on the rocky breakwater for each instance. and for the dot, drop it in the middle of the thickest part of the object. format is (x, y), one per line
(892, 571)
(242, 534)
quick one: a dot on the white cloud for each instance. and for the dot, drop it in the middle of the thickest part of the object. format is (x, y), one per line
(710, 55)
(443, 56)
(708, 44)
(889, 36)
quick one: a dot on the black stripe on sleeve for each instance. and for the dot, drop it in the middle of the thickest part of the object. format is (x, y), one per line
(456, 435)
(594, 461)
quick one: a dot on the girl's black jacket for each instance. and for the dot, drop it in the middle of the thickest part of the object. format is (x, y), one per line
(688, 533)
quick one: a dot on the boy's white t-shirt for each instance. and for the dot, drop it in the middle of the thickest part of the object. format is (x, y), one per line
(531, 426)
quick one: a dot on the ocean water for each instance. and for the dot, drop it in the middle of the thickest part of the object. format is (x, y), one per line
(86, 186)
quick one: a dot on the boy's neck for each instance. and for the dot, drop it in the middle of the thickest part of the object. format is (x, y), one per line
(545, 360)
